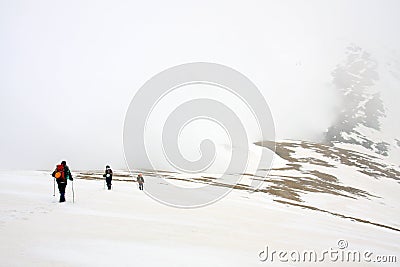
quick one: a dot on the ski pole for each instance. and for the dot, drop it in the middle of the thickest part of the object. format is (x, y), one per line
(54, 187)
(104, 185)
(73, 193)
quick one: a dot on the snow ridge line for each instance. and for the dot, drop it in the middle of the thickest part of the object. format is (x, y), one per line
(338, 215)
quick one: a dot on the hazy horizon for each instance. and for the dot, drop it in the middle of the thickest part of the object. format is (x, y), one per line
(70, 69)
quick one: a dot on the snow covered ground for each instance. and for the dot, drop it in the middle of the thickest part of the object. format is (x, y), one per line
(124, 227)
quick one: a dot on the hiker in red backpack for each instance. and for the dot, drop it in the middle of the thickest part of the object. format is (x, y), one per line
(62, 174)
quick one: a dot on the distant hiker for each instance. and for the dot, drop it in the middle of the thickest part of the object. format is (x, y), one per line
(62, 174)
(140, 181)
(108, 175)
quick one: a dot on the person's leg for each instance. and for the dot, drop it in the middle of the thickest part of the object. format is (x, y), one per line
(108, 180)
(61, 188)
(63, 193)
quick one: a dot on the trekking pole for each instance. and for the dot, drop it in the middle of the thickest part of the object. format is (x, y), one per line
(73, 193)
(54, 187)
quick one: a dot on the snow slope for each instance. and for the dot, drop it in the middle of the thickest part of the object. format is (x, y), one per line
(124, 227)
(337, 178)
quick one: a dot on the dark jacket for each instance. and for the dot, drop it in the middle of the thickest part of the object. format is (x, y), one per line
(140, 179)
(108, 171)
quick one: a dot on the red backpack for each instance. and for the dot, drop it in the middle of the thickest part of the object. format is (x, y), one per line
(60, 174)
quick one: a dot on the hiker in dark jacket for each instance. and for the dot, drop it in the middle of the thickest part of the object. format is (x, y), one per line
(140, 181)
(108, 175)
(62, 174)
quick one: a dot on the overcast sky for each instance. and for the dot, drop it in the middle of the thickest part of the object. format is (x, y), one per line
(69, 69)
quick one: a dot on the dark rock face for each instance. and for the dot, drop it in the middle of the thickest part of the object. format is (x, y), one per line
(361, 106)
